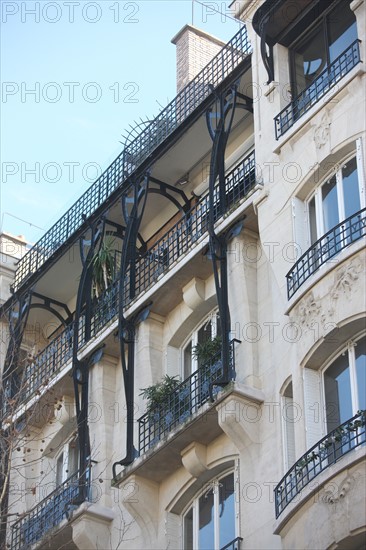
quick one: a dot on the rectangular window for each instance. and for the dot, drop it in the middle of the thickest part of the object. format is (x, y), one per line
(333, 33)
(337, 199)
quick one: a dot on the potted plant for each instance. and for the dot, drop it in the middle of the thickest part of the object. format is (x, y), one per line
(206, 352)
(208, 355)
(104, 273)
(104, 267)
(157, 397)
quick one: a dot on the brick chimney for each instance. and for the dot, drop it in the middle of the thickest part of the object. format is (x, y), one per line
(195, 48)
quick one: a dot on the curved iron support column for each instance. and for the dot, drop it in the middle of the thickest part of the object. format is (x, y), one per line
(80, 370)
(267, 57)
(49, 304)
(219, 122)
(18, 315)
(133, 207)
(167, 190)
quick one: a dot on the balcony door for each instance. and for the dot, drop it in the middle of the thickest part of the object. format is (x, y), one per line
(345, 384)
(67, 461)
(208, 330)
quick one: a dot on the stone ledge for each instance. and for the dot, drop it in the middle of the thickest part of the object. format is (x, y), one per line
(315, 486)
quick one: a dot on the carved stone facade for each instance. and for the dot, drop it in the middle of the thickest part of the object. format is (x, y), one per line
(246, 444)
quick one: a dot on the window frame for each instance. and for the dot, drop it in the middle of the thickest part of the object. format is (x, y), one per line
(347, 348)
(213, 317)
(287, 426)
(316, 193)
(194, 505)
(65, 451)
(321, 21)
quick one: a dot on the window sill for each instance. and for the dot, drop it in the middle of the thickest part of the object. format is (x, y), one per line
(318, 491)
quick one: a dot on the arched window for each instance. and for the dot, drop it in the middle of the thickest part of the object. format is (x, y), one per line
(344, 384)
(209, 523)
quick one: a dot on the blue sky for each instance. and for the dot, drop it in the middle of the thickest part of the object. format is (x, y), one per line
(75, 75)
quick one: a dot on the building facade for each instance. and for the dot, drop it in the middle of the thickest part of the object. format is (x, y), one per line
(185, 359)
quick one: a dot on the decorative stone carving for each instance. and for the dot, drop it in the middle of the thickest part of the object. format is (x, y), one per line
(345, 277)
(321, 131)
(308, 310)
(336, 492)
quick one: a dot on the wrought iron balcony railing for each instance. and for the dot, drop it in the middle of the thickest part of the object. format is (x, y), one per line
(181, 403)
(327, 451)
(192, 226)
(170, 248)
(350, 230)
(39, 371)
(46, 515)
(198, 90)
(233, 545)
(317, 89)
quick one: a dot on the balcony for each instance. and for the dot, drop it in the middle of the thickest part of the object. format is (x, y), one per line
(321, 85)
(136, 153)
(233, 545)
(182, 237)
(329, 450)
(182, 403)
(50, 512)
(38, 373)
(342, 235)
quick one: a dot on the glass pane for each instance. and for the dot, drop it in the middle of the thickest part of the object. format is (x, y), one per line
(350, 188)
(206, 534)
(59, 469)
(312, 220)
(309, 59)
(330, 204)
(205, 332)
(289, 418)
(73, 458)
(338, 396)
(342, 30)
(218, 325)
(361, 372)
(188, 530)
(226, 510)
(187, 359)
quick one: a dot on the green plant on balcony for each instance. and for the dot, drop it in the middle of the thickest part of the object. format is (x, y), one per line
(167, 404)
(157, 394)
(104, 267)
(206, 352)
(208, 355)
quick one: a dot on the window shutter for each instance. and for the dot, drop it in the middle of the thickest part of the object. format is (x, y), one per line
(300, 228)
(313, 407)
(172, 361)
(173, 531)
